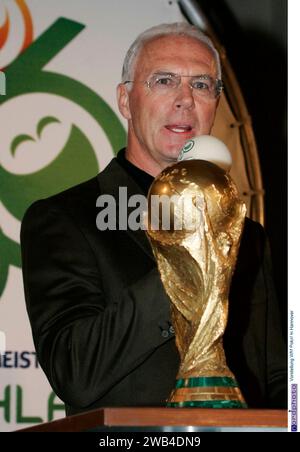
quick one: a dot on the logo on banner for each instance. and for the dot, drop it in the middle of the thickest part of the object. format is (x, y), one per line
(55, 125)
(21, 36)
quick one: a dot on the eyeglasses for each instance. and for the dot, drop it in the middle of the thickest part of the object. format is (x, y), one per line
(202, 85)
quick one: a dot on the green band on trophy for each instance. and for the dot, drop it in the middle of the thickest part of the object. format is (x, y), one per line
(208, 404)
(206, 381)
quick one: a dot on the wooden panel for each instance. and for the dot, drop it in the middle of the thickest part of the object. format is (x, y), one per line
(138, 417)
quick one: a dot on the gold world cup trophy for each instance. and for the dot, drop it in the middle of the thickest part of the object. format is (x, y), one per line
(195, 220)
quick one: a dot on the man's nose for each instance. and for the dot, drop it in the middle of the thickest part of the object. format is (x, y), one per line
(184, 96)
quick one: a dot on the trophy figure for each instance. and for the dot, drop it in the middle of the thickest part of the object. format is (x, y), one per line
(196, 249)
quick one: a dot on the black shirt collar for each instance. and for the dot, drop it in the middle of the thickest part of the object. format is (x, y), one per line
(143, 179)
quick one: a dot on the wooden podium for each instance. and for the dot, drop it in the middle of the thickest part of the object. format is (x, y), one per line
(141, 419)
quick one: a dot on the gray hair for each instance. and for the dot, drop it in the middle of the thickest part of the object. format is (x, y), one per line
(177, 28)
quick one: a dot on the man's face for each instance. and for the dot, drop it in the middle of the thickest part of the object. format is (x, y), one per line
(159, 124)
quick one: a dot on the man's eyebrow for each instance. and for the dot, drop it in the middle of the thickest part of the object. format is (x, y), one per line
(163, 72)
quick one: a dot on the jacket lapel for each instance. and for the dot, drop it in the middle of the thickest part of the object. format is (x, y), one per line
(110, 180)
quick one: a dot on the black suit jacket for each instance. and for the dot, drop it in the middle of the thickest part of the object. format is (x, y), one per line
(100, 316)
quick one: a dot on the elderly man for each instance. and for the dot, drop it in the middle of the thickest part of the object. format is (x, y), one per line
(100, 316)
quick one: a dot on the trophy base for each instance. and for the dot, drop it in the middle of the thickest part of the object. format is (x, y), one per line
(207, 392)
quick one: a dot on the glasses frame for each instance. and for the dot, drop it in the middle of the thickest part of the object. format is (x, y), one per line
(218, 82)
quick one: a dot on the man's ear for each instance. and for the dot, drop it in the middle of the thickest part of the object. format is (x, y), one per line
(123, 101)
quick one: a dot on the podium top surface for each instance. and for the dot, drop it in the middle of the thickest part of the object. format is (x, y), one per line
(149, 417)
